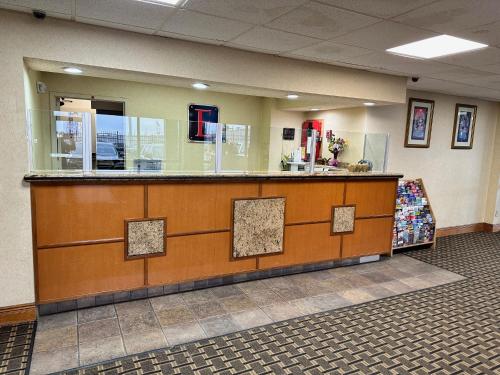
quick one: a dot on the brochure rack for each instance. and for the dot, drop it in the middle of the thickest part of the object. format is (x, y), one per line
(414, 223)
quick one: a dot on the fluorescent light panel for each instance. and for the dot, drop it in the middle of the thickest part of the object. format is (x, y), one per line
(437, 46)
(292, 96)
(72, 70)
(167, 2)
(200, 85)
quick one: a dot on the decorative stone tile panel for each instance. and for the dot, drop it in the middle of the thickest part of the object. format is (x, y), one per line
(343, 219)
(145, 237)
(258, 226)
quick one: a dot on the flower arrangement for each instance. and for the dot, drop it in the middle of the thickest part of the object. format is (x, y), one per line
(336, 145)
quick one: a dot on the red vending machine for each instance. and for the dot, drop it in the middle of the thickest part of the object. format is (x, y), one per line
(307, 127)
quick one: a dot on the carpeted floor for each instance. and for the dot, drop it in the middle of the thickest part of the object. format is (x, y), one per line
(16, 345)
(449, 329)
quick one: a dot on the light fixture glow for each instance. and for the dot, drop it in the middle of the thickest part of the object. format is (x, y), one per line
(369, 104)
(167, 2)
(292, 96)
(72, 70)
(200, 85)
(314, 109)
(437, 46)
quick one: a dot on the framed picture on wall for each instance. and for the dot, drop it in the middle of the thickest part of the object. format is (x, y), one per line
(419, 123)
(463, 128)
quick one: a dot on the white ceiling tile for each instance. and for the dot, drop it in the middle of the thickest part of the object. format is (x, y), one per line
(488, 34)
(379, 8)
(451, 16)
(459, 74)
(492, 68)
(329, 51)
(254, 11)
(125, 12)
(248, 48)
(490, 55)
(278, 41)
(386, 61)
(167, 34)
(383, 35)
(117, 26)
(201, 25)
(53, 8)
(321, 21)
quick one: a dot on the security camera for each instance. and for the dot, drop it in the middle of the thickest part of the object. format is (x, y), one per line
(415, 79)
(39, 14)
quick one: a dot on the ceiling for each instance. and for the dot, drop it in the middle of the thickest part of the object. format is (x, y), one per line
(353, 33)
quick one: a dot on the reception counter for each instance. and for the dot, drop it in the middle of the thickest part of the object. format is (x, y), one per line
(99, 238)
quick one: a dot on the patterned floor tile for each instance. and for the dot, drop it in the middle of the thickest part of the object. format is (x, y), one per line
(452, 328)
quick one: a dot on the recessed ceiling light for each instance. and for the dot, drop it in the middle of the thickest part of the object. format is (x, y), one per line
(168, 2)
(437, 46)
(369, 104)
(72, 70)
(292, 96)
(314, 109)
(200, 85)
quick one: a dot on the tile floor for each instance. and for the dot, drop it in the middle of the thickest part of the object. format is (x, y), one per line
(83, 337)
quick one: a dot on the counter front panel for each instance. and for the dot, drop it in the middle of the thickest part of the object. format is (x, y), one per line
(79, 242)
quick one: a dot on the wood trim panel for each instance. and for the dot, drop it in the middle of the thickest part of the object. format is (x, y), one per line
(17, 314)
(81, 243)
(71, 272)
(306, 201)
(492, 228)
(469, 228)
(73, 213)
(196, 257)
(308, 243)
(371, 237)
(372, 198)
(197, 207)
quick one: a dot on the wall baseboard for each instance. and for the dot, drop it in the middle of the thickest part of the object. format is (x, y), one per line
(469, 228)
(17, 314)
(492, 228)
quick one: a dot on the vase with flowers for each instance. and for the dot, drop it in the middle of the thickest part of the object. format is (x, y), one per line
(336, 145)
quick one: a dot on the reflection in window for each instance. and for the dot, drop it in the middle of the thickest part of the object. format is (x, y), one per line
(68, 145)
(110, 145)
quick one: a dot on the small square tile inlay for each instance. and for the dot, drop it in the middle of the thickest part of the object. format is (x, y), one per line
(343, 219)
(145, 237)
(258, 226)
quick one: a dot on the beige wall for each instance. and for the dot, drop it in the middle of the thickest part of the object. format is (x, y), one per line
(493, 198)
(457, 180)
(348, 123)
(279, 120)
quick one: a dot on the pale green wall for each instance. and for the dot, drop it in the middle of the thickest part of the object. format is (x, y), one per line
(171, 104)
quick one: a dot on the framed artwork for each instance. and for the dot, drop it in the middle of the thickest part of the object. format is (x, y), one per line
(419, 123)
(202, 122)
(463, 128)
(288, 134)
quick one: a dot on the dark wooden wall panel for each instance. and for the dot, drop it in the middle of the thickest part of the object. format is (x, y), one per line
(72, 213)
(306, 201)
(306, 243)
(196, 257)
(197, 207)
(371, 236)
(69, 272)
